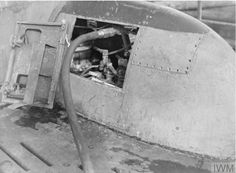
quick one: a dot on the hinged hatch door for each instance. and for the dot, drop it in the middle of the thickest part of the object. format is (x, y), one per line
(35, 63)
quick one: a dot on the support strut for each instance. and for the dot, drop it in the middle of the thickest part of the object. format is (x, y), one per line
(66, 88)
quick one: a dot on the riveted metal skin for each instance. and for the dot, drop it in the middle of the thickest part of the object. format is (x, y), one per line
(179, 86)
(173, 85)
(164, 51)
(186, 110)
(190, 110)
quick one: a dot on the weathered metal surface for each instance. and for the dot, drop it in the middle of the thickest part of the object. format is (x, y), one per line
(128, 12)
(10, 13)
(162, 50)
(136, 13)
(33, 73)
(133, 13)
(96, 100)
(192, 112)
(42, 51)
(165, 106)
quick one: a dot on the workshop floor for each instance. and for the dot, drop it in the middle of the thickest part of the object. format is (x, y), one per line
(36, 140)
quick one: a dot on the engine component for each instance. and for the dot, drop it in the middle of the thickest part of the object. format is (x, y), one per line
(98, 58)
(122, 65)
(83, 51)
(81, 57)
(80, 65)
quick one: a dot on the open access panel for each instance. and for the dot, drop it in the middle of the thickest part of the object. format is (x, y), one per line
(35, 63)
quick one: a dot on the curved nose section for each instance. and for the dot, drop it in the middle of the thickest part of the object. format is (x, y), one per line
(186, 96)
(213, 80)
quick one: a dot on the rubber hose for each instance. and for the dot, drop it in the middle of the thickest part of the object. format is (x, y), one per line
(67, 94)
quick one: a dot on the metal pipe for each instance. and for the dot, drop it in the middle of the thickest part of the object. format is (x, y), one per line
(199, 10)
(91, 67)
(227, 24)
(126, 42)
(119, 50)
(66, 88)
(125, 39)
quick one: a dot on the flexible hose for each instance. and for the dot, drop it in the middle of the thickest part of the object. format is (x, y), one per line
(66, 88)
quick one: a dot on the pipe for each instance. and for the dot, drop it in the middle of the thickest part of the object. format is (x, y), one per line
(119, 50)
(125, 39)
(91, 67)
(66, 88)
(199, 10)
(126, 42)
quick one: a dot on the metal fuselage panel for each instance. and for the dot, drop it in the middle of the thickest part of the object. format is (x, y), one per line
(188, 102)
(178, 92)
(179, 87)
(136, 13)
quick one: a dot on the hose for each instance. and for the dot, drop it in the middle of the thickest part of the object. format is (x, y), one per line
(66, 88)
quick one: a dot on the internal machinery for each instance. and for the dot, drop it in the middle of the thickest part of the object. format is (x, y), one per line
(103, 60)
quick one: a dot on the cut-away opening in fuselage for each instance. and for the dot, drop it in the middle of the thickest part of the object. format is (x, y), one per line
(104, 60)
